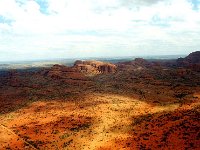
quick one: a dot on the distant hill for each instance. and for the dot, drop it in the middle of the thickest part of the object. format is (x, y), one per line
(192, 61)
(193, 58)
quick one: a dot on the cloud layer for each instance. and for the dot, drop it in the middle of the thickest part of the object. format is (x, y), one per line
(38, 29)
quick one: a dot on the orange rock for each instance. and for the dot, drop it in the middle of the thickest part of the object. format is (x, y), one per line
(95, 67)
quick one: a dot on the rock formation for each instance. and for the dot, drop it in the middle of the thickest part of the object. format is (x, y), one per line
(95, 67)
(63, 72)
(193, 58)
(192, 61)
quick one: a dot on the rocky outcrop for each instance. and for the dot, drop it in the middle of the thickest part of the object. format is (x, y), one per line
(192, 61)
(136, 64)
(94, 67)
(63, 72)
(79, 70)
(193, 58)
(140, 61)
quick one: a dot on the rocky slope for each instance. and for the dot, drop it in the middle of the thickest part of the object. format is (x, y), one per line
(63, 72)
(193, 58)
(192, 61)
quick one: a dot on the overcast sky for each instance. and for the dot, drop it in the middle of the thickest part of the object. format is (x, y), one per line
(46, 29)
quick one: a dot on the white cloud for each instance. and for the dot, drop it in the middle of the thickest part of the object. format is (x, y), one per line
(71, 27)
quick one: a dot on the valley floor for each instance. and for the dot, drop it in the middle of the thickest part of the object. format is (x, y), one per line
(101, 121)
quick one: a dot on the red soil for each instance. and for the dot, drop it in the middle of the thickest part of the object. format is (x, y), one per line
(148, 106)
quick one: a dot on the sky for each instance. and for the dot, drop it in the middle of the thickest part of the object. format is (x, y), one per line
(48, 29)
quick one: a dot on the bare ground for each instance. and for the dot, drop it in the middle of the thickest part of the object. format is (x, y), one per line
(100, 121)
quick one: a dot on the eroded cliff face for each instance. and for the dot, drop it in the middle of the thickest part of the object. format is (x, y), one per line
(95, 67)
(80, 70)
